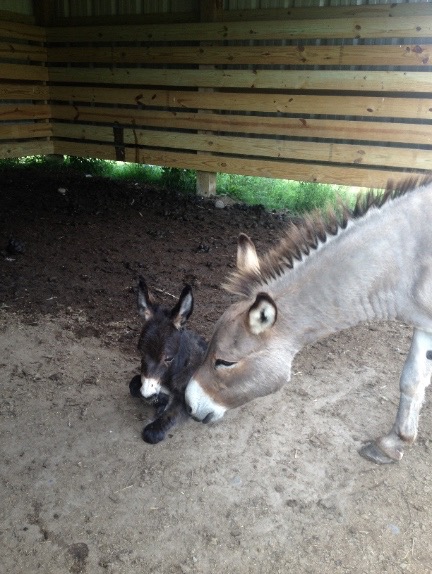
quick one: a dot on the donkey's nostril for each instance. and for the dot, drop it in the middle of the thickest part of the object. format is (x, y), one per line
(189, 409)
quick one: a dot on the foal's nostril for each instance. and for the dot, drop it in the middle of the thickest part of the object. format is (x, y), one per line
(189, 409)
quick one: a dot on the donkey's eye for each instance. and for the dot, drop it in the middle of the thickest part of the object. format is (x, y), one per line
(221, 363)
(168, 360)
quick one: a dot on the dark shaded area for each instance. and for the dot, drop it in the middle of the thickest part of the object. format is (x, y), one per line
(73, 244)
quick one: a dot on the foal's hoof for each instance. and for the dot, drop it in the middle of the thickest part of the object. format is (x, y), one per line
(371, 452)
(135, 386)
(152, 435)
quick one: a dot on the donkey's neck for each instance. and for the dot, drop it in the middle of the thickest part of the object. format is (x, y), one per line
(352, 278)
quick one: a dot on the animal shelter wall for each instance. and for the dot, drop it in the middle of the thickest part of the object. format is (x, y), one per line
(333, 93)
(25, 127)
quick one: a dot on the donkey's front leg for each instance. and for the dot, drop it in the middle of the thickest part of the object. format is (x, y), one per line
(416, 376)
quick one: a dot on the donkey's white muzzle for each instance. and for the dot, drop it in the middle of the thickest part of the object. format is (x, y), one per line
(200, 406)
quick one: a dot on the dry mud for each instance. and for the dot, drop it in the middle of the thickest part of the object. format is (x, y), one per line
(276, 487)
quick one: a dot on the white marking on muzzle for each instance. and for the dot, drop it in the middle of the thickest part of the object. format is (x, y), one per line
(203, 406)
(150, 387)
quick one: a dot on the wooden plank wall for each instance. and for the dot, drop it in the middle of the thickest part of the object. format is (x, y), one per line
(25, 127)
(333, 94)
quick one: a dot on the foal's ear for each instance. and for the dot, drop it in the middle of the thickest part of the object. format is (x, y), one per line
(247, 258)
(145, 303)
(183, 310)
(262, 314)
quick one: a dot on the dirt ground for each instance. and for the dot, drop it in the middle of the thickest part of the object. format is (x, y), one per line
(275, 487)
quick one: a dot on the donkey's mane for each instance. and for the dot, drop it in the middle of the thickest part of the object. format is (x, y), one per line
(306, 234)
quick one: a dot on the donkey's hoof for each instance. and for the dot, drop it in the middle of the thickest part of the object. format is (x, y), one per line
(135, 386)
(371, 452)
(152, 435)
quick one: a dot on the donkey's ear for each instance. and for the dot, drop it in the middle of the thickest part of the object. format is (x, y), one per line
(262, 314)
(145, 303)
(183, 310)
(247, 258)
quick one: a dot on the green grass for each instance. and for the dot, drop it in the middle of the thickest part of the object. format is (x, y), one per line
(273, 194)
(295, 196)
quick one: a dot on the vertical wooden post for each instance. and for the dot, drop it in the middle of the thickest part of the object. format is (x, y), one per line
(42, 13)
(206, 180)
(42, 10)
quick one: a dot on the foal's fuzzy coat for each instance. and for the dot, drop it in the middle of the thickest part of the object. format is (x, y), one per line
(169, 355)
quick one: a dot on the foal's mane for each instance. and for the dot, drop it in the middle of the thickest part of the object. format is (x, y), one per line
(306, 234)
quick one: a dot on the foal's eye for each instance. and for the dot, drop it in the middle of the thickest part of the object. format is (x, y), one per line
(168, 360)
(221, 363)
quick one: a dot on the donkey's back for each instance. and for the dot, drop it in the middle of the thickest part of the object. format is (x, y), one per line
(327, 273)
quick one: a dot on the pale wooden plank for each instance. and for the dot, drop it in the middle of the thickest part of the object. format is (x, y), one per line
(337, 174)
(7, 15)
(312, 12)
(127, 19)
(369, 81)
(379, 156)
(87, 149)
(377, 55)
(25, 131)
(414, 26)
(24, 112)
(29, 52)
(290, 127)
(360, 105)
(22, 31)
(23, 72)
(25, 148)
(24, 91)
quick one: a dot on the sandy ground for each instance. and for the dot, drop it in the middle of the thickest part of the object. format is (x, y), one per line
(276, 487)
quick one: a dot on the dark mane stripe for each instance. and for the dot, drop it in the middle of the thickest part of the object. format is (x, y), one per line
(304, 235)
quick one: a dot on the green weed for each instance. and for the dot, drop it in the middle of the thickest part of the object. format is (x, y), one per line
(274, 194)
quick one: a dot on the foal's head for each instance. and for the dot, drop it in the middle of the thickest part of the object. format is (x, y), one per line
(160, 339)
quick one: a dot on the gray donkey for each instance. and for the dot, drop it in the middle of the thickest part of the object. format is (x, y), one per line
(169, 355)
(328, 273)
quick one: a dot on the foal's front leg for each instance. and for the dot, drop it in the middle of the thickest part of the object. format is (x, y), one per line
(173, 415)
(415, 377)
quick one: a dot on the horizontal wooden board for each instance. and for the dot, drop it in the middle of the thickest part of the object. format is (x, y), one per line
(9, 92)
(25, 131)
(292, 127)
(25, 148)
(389, 10)
(379, 156)
(22, 31)
(308, 12)
(9, 16)
(414, 26)
(344, 175)
(27, 52)
(377, 55)
(23, 72)
(124, 19)
(21, 112)
(286, 103)
(329, 80)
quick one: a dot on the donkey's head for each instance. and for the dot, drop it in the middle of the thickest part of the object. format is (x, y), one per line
(245, 358)
(160, 339)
